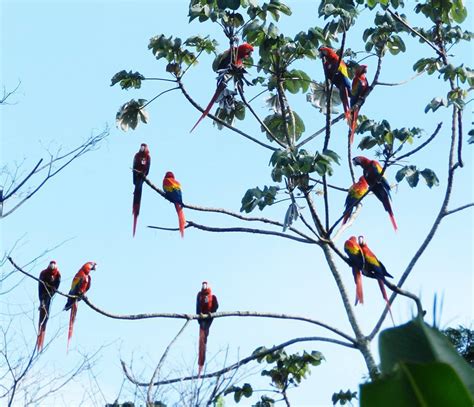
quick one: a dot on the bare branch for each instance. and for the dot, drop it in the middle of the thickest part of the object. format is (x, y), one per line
(469, 205)
(429, 140)
(242, 362)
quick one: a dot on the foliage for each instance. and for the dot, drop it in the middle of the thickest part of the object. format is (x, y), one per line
(343, 397)
(462, 339)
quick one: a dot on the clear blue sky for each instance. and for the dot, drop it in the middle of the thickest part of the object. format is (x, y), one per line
(64, 54)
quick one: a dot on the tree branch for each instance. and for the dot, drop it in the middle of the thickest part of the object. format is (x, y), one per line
(469, 205)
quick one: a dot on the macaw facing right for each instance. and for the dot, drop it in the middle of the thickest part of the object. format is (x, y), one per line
(228, 61)
(173, 194)
(141, 168)
(359, 88)
(80, 285)
(374, 268)
(356, 191)
(377, 182)
(206, 303)
(357, 262)
(338, 75)
(50, 278)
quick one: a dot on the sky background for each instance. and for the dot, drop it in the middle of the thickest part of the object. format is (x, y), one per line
(64, 54)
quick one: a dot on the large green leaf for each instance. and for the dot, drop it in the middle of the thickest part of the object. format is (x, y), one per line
(417, 342)
(425, 385)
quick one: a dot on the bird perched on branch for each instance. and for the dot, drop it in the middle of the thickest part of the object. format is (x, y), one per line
(377, 183)
(358, 91)
(357, 262)
(173, 194)
(50, 278)
(229, 66)
(356, 192)
(206, 303)
(141, 168)
(80, 285)
(335, 70)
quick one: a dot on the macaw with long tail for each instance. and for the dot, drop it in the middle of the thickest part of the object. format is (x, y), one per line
(356, 191)
(374, 268)
(173, 194)
(358, 91)
(141, 168)
(335, 69)
(357, 262)
(80, 285)
(230, 62)
(49, 280)
(377, 182)
(206, 303)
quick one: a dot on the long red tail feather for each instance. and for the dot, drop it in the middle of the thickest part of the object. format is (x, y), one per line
(137, 197)
(203, 333)
(43, 319)
(392, 219)
(209, 106)
(358, 283)
(181, 218)
(355, 115)
(385, 297)
(72, 318)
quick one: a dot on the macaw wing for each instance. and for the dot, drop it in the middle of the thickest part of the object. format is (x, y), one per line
(215, 304)
(77, 284)
(57, 281)
(198, 303)
(147, 165)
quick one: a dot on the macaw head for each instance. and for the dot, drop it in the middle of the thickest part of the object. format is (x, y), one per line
(169, 174)
(361, 69)
(52, 265)
(244, 50)
(327, 52)
(204, 285)
(360, 160)
(361, 241)
(89, 266)
(144, 148)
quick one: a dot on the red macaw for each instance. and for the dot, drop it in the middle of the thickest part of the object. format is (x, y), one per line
(374, 268)
(357, 262)
(359, 88)
(229, 59)
(172, 190)
(206, 303)
(377, 182)
(338, 75)
(141, 168)
(50, 278)
(80, 285)
(356, 191)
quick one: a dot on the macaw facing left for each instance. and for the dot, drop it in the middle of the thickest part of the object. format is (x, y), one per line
(173, 194)
(50, 278)
(358, 91)
(357, 262)
(141, 168)
(206, 303)
(377, 182)
(374, 268)
(356, 191)
(80, 285)
(335, 70)
(231, 63)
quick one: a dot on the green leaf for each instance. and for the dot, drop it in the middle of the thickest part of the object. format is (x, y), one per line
(430, 177)
(417, 342)
(435, 104)
(247, 390)
(131, 114)
(128, 80)
(432, 384)
(458, 12)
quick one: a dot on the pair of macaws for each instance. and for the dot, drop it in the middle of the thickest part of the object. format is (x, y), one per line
(372, 179)
(172, 188)
(363, 261)
(335, 70)
(49, 280)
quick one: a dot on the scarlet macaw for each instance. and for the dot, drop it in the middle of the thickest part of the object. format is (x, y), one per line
(80, 285)
(141, 168)
(206, 303)
(172, 190)
(359, 88)
(50, 278)
(229, 61)
(356, 191)
(335, 70)
(377, 182)
(374, 268)
(357, 262)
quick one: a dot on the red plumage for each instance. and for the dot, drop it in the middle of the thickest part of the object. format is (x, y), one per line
(50, 278)
(141, 168)
(358, 91)
(206, 303)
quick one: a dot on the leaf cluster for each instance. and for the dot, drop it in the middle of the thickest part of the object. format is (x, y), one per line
(384, 35)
